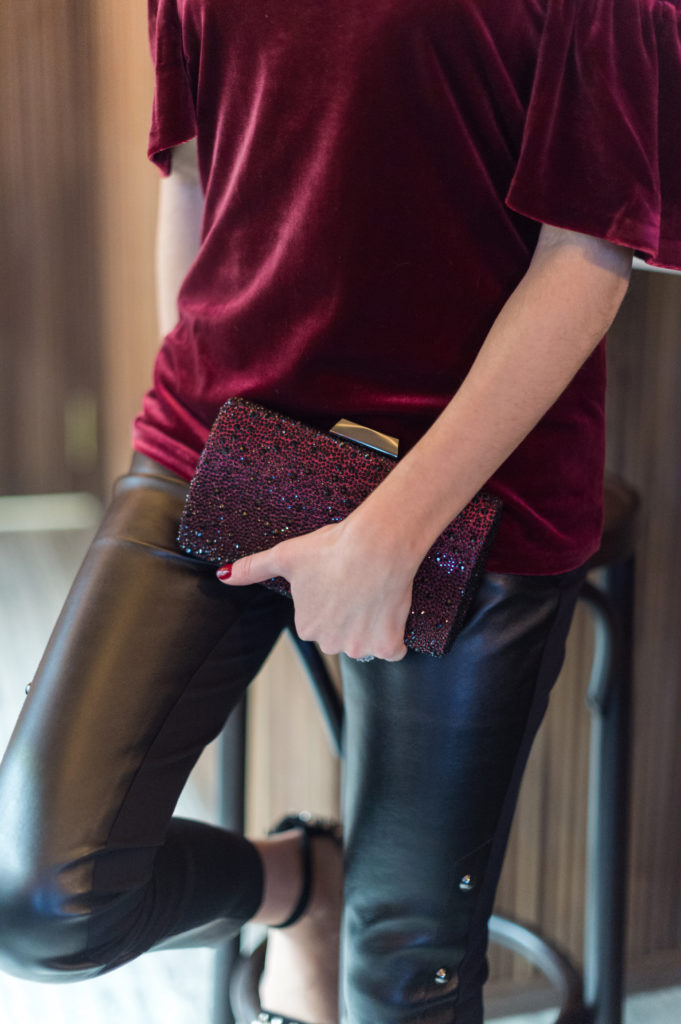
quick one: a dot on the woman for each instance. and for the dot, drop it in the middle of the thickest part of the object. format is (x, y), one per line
(420, 216)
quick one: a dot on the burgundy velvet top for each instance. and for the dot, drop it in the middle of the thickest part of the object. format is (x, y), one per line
(375, 172)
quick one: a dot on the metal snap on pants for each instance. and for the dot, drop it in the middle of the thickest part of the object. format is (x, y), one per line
(149, 656)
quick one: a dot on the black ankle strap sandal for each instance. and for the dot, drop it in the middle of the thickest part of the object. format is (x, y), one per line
(309, 827)
(247, 971)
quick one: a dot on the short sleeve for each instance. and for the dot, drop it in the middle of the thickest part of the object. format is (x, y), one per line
(173, 119)
(601, 145)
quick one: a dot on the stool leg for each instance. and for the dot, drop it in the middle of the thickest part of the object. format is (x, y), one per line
(328, 698)
(609, 699)
(232, 816)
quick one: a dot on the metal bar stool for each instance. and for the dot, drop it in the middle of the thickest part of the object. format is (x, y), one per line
(594, 996)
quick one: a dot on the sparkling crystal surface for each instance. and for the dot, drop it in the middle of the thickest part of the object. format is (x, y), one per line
(264, 477)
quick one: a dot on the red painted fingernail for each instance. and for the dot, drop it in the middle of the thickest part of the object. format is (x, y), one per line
(225, 571)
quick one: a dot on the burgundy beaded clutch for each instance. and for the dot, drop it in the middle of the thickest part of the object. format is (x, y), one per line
(263, 477)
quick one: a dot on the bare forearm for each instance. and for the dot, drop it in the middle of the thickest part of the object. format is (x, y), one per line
(547, 329)
(178, 232)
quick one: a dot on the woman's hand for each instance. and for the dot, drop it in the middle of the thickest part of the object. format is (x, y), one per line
(350, 591)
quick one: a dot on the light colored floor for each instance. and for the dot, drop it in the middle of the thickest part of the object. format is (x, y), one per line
(162, 988)
(663, 1007)
(36, 566)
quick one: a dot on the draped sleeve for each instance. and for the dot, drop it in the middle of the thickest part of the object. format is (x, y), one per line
(601, 145)
(173, 119)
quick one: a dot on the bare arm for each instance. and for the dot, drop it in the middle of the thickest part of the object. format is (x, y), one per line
(359, 599)
(549, 326)
(180, 210)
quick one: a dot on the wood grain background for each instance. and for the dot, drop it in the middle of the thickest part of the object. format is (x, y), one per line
(77, 339)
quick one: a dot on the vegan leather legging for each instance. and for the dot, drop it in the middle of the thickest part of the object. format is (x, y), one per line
(149, 656)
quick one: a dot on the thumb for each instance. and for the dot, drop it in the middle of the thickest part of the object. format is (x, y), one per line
(251, 569)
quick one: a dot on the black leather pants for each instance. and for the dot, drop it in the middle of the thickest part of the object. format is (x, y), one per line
(148, 658)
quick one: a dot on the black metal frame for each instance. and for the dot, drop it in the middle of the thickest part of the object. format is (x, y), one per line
(609, 699)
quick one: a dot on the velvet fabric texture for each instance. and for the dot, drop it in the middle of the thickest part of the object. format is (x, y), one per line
(375, 176)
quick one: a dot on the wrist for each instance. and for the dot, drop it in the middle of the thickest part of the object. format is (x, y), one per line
(385, 529)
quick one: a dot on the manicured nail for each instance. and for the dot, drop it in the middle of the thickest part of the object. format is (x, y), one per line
(224, 572)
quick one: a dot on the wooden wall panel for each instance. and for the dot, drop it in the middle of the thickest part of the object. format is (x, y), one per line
(645, 433)
(126, 204)
(290, 764)
(49, 308)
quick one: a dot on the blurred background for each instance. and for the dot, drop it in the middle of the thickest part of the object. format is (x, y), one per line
(78, 336)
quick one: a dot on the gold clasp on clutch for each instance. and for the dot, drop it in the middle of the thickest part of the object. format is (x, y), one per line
(366, 436)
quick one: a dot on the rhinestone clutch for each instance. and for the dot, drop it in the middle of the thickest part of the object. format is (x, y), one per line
(263, 477)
